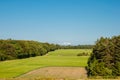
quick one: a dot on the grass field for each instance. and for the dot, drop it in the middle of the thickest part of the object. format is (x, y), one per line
(69, 52)
(14, 68)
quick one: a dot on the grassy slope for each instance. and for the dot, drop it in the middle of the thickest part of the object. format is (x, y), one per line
(14, 68)
(69, 52)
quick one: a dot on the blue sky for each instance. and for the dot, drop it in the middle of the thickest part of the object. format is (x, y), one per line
(59, 21)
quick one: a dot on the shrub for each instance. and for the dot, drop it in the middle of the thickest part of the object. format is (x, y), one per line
(83, 54)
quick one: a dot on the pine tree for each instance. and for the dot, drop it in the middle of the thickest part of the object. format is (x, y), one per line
(105, 59)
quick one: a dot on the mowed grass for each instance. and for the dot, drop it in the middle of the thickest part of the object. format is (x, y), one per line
(14, 68)
(69, 52)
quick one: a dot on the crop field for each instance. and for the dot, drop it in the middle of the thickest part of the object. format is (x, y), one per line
(58, 58)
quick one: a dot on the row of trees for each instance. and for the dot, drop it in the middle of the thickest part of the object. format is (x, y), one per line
(13, 49)
(77, 47)
(105, 60)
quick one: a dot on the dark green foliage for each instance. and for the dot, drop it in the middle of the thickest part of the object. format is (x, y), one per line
(13, 49)
(77, 47)
(105, 59)
(2, 57)
(83, 54)
(116, 68)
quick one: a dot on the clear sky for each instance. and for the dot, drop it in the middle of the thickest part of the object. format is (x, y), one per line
(59, 21)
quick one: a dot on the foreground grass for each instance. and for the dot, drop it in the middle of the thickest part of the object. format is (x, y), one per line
(14, 68)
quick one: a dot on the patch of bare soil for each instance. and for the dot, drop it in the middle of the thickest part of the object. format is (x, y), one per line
(57, 72)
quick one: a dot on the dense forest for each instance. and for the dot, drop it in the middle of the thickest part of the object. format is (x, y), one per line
(105, 59)
(18, 49)
(13, 49)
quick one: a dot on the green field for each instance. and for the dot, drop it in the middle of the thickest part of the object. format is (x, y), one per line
(14, 68)
(69, 52)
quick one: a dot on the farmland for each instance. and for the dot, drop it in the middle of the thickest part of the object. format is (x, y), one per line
(58, 58)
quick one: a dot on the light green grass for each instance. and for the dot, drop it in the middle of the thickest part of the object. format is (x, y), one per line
(14, 68)
(69, 52)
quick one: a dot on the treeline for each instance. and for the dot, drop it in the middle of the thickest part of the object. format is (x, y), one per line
(18, 49)
(77, 47)
(105, 60)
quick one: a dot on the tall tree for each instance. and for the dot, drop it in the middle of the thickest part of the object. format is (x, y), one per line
(105, 59)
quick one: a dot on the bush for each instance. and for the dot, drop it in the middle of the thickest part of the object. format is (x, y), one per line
(2, 57)
(83, 54)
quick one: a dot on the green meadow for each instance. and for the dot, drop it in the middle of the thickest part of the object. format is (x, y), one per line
(58, 58)
(69, 52)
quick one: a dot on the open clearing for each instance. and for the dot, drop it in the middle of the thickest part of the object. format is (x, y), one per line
(69, 52)
(57, 72)
(16, 68)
